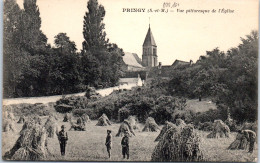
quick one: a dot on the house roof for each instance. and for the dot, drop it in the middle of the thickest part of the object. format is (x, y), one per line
(132, 59)
(179, 62)
(149, 40)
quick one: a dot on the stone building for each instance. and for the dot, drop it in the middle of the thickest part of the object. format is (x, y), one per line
(149, 57)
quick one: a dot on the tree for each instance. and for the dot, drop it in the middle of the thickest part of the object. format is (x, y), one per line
(102, 60)
(93, 28)
(62, 41)
(32, 38)
(13, 60)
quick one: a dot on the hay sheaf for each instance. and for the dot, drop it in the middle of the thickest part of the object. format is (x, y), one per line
(51, 126)
(178, 144)
(66, 118)
(80, 125)
(133, 122)
(86, 118)
(31, 145)
(8, 115)
(125, 127)
(239, 143)
(150, 125)
(8, 121)
(103, 121)
(165, 128)
(219, 128)
(8, 126)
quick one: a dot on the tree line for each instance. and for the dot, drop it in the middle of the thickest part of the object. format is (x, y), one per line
(32, 67)
(229, 79)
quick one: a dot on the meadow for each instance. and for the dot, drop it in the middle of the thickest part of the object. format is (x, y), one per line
(89, 145)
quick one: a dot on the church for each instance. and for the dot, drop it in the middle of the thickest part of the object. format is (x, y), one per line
(149, 56)
(148, 66)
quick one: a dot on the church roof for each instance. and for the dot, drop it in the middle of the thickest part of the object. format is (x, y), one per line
(132, 59)
(149, 40)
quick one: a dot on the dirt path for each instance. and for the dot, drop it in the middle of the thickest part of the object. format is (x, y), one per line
(47, 99)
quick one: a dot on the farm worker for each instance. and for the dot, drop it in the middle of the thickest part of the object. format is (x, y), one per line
(125, 145)
(63, 138)
(250, 137)
(109, 142)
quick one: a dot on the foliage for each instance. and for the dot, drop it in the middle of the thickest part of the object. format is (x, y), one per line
(72, 102)
(229, 78)
(34, 68)
(31, 109)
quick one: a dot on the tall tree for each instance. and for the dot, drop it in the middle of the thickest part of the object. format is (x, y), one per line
(33, 39)
(13, 60)
(93, 28)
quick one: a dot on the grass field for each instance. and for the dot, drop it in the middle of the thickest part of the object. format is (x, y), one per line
(89, 145)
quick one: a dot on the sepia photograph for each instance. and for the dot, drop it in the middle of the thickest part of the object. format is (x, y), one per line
(130, 80)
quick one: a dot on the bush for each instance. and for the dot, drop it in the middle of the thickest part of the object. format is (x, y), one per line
(123, 114)
(63, 108)
(32, 109)
(67, 104)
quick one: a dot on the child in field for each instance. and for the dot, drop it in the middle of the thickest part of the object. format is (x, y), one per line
(109, 142)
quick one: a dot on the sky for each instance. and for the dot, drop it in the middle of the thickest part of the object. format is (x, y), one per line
(178, 35)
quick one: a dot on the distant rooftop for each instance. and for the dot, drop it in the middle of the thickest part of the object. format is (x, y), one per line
(132, 59)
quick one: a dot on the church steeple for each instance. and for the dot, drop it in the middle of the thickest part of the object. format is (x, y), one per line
(149, 57)
(149, 40)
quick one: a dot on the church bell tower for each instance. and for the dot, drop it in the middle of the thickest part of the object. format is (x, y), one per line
(149, 57)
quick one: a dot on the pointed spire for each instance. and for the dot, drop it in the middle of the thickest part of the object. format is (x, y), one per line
(149, 40)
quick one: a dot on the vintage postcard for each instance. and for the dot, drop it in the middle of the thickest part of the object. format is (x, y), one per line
(130, 80)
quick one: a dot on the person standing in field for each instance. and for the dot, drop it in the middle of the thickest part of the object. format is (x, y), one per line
(63, 138)
(125, 145)
(250, 137)
(109, 142)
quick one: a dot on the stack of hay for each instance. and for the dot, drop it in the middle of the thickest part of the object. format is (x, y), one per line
(150, 125)
(32, 143)
(8, 121)
(103, 121)
(80, 125)
(125, 127)
(66, 118)
(165, 128)
(241, 142)
(21, 119)
(85, 118)
(178, 144)
(133, 122)
(219, 127)
(51, 126)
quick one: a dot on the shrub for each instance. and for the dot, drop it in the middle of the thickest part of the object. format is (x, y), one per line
(32, 109)
(123, 113)
(67, 104)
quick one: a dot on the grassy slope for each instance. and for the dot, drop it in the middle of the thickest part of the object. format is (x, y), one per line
(89, 145)
(200, 106)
